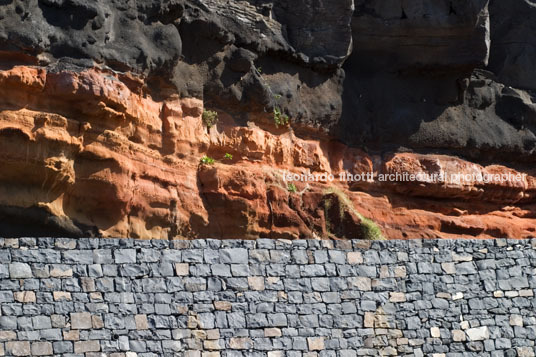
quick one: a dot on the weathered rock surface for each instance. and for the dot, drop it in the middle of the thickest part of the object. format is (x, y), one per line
(417, 34)
(101, 129)
(419, 78)
(513, 50)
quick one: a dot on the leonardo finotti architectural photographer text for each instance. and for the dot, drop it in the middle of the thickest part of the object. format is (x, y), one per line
(404, 177)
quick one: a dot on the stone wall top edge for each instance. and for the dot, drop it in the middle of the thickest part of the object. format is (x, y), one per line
(98, 243)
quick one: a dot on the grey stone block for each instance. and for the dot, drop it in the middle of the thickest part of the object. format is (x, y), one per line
(102, 256)
(20, 271)
(240, 270)
(277, 320)
(52, 334)
(221, 270)
(110, 270)
(320, 256)
(312, 270)
(36, 256)
(337, 256)
(236, 320)
(280, 256)
(41, 322)
(167, 256)
(234, 256)
(300, 257)
(257, 321)
(62, 347)
(297, 284)
(77, 257)
(195, 284)
(192, 256)
(6, 296)
(125, 256)
(206, 320)
(320, 284)
(81, 320)
(8, 322)
(239, 284)
(466, 268)
(4, 271)
(24, 323)
(133, 270)
(366, 271)
(211, 256)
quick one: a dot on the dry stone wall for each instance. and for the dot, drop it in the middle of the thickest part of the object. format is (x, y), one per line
(207, 298)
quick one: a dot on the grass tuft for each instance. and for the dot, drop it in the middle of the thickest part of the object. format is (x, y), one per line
(369, 229)
(210, 118)
(205, 160)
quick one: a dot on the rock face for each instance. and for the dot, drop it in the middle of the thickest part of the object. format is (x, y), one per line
(513, 52)
(102, 130)
(417, 34)
(419, 78)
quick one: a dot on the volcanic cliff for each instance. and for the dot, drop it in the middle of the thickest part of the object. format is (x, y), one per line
(108, 123)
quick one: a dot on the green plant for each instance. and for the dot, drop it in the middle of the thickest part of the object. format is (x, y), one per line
(327, 207)
(369, 229)
(210, 118)
(292, 188)
(205, 160)
(228, 157)
(280, 118)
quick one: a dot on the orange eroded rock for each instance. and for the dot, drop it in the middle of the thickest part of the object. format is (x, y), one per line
(92, 153)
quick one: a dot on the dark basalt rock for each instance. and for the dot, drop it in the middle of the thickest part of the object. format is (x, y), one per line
(513, 42)
(381, 75)
(417, 34)
(419, 79)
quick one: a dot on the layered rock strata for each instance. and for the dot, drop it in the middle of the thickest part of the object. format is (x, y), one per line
(89, 153)
(102, 130)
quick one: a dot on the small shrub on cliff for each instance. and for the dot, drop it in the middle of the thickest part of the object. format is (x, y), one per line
(369, 229)
(280, 118)
(210, 118)
(228, 157)
(292, 188)
(205, 160)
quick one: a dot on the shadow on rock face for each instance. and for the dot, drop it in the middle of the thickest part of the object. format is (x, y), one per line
(408, 58)
(513, 44)
(384, 110)
(37, 222)
(417, 80)
(67, 14)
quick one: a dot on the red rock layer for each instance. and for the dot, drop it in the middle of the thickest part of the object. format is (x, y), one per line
(94, 148)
